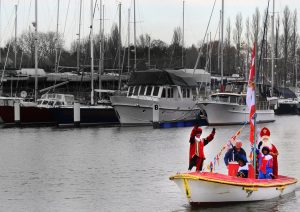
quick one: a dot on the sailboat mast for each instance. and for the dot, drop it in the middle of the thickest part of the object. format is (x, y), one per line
(92, 54)
(36, 51)
(222, 43)
(0, 33)
(272, 50)
(128, 48)
(182, 53)
(78, 42)
(120, 47)
(100, 48)
(134, 29)
(56, 40)
(15, 46)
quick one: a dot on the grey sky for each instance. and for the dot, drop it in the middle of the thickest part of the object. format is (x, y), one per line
(155, 17)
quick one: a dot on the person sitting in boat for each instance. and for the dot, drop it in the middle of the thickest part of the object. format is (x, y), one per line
(266, 142)
(243, 167)
(196, 156)
(265, 164)
(234, 153)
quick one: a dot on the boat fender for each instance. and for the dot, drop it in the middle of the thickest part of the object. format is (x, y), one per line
(281, 188)
(250, 189)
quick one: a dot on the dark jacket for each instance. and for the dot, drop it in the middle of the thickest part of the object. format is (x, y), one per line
(233, 154)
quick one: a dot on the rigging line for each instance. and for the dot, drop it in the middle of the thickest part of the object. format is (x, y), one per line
(3, 71)
(200, 48)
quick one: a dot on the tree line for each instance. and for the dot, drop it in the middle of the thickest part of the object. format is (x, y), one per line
(240, 34)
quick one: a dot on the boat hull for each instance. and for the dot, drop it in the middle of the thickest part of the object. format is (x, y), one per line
(89, 115)
(140, 112)
(208, 188)
(30, 115)
(219, 113)
(286, 109)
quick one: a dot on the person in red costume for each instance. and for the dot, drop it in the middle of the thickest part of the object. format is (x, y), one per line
(196, 156)
(266, 142)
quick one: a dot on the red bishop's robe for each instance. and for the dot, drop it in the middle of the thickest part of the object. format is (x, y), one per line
(197, 148)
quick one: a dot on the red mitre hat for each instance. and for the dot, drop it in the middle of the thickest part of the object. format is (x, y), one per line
(265, 132)
(198, 131)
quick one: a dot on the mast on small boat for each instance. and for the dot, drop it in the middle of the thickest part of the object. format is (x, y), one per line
(78, 42)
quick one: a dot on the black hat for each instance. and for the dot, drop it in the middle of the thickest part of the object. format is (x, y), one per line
(266, 149)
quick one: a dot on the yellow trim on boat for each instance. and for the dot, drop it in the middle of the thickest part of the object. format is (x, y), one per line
(187, 188)
(247, 184)
(250, 189)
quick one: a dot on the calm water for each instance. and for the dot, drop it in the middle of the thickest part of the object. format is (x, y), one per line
(120, 169)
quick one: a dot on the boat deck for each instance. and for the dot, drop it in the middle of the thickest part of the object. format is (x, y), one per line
(237, 181)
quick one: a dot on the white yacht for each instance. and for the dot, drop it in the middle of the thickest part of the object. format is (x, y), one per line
(229, 108)
(172, 93)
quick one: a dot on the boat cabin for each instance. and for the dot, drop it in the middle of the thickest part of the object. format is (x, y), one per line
(162, 84)
(55, 100)
(229, 98)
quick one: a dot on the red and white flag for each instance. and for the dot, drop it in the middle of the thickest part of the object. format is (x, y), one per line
(250, 99)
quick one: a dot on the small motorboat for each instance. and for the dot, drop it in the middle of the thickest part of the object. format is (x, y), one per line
(204, 188)
(208, 188)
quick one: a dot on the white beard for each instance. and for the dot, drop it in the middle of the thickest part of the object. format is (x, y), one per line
(266, 144)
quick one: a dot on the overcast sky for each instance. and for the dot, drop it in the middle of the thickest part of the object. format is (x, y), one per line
(155, 17)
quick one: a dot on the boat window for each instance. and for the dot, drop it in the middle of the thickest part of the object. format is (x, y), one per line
(187, 93)
(194, 91)
(51, 103)
(170, 92)
(130, 91)
(155, 91)
(142, 90)
(39, 102)
(149, 90)
(163, 93)
(58, 103)
(136, 90)
(215, 98)
(233, 99)
(45, 102)
(223, 98)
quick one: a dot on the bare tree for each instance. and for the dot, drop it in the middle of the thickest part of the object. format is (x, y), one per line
(228, 52)
(237, 36)
(248, 44)
(287, 31)
(294, 44)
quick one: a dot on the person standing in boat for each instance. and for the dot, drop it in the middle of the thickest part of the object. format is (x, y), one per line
(266, 142)
(196, 156)
(265, 164)
(234, 153)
